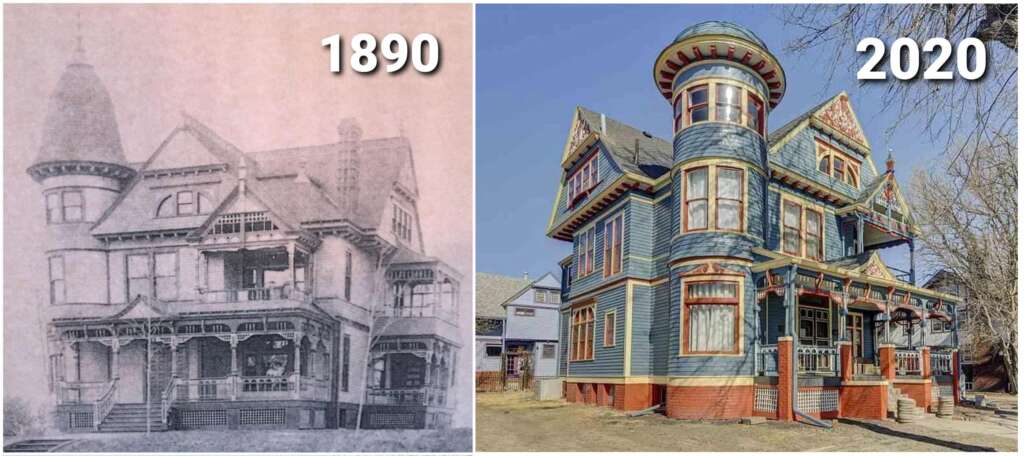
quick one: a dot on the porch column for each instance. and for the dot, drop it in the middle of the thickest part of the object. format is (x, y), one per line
(174, 357)
(860, 234)
(785, 372)
(845, 360)
(291, 263)
(926, 374)
(115, 348)
(76, 348)
(913, 277)
(297, 375)
(887, 361)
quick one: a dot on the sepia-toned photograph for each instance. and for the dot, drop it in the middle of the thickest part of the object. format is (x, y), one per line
(236, 228)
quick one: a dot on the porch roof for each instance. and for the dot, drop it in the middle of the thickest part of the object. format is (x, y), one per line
(858, 271)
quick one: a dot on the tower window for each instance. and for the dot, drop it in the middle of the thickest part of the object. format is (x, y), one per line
(53, 208)
(695, 214)
(755, 113)
(697, 105)
(727, 103)
(64, 206)
(729, 199)
(72, 206)
(57, 295)
(711, 318)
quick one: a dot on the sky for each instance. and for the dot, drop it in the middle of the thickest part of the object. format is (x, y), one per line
(258, 76)
(536, 63)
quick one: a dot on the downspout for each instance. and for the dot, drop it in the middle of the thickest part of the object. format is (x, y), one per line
(790, 331)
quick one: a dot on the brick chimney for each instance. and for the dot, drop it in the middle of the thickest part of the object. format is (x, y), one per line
(350, 135)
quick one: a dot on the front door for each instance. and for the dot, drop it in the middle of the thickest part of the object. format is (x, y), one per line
(814, 327)
(855, 328)
(131, 371)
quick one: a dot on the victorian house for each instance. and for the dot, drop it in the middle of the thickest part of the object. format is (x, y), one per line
(729, 271)
(209, 287)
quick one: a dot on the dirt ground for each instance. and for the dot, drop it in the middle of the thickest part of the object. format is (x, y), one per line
(513, 422)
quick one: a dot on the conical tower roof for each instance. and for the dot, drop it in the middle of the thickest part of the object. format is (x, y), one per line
(80, 126)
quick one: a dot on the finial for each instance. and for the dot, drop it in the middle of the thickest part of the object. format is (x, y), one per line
(79, 54)
(890, 164)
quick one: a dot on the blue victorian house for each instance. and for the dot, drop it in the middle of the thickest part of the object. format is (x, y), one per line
(732, 272)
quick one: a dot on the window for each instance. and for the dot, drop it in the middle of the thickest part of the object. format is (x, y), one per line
(791, 228)
(493, 350)
(585, 247)
(524, 312)
(711, 317)
(583, 179)
(185, 203)
(401, 223)
(250, 221)
(941, 326)
(348, 275)
(53, 209)
(696, 199)
(540, 296)
(57, 293)
(837, 164)
(813, 247)
(755, 113)
(582, 334)
(814, 327)
(727, 103)
(548, 351)
(139, 283)
(346, 350)
(554, 297)
(823, 164)
(613, 246)
(72, 206)
(609, 329)
(729, 199)
(166, 275)
(677, 113)
(697, 104)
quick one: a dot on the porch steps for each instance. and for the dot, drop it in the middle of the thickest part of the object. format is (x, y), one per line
(893, 401)
(132, 418)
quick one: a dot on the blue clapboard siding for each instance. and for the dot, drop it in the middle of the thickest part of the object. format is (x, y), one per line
(755, 204)
(836, 241)
(712, 365)
(719, 139)
(640, 357)
(800, 154)
(608, 361)
(665, 224)
(720, 71)
(661, 328)
(563, 341)
(638, 248)
(713, 243)
(773, 319)
(608, 172)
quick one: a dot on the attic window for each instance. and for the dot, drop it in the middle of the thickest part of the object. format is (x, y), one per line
(583, 179)
(838, 165)
(184, 203)
(251, 221)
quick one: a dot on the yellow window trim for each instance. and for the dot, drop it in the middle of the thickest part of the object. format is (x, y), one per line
(712, 197)
(804, 205)
(712, 83)
(739, 281)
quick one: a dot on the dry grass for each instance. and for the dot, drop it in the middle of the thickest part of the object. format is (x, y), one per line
(343, 440)
(511, 422)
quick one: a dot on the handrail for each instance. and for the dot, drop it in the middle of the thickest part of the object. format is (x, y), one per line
(285, 291)
(816, 359)
(908, 362)
(942, 362)
(769, 359)
(103, 405)
(167, 399)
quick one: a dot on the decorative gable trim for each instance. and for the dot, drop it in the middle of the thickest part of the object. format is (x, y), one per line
(875, 267)
(837, 118)
(581, 137)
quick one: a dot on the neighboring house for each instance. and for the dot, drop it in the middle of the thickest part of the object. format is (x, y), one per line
(515, 316)
(981, 364)
(224, 289)
(730, 272)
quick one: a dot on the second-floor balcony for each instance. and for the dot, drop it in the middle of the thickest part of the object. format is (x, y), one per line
(277, 273)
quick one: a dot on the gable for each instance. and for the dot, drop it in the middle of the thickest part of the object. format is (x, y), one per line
(885, 195)
(182, 149)
(875, 267)
(837, 115)
(580, 133)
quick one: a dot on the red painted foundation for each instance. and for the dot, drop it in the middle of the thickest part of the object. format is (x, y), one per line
(710, 402)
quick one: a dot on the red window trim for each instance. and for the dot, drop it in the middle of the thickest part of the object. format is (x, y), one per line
(585, 173)
(688, 301)
(705, 104)
(799, 227)
(760, 110)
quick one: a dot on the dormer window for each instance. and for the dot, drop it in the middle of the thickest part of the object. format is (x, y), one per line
(838, 165)
(186, 202)
(582, 180)
(401, 223)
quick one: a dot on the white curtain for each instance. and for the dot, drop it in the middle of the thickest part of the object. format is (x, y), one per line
(712, 327)
(730, 183)
(697, 188)
(791, 231)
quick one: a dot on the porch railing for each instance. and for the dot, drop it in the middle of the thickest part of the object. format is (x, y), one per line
(405, 396)
(942, 363)
(80, 392)
(266, 384)
(908, 362)
(282, 292)
(817, 360)
(768, 359)
(104, 404)
(204, 389)
(167, 400)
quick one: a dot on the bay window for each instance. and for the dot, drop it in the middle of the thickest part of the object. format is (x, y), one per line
(791, 228)
(582, 347)
(697, 104)
(727, 103)
(813, 247)
(711, 317)
(613, 246)
(695, 212)
(729, 199)
(53, 208)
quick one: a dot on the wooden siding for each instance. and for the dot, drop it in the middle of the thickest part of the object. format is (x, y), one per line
(608, 361)
(563, 342)
(640, 344)
(607, 171)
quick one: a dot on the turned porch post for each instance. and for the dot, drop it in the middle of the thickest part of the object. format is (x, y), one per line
(115, 348)
(234, 366)
(298, 364)
(174, 357)
(291, 263)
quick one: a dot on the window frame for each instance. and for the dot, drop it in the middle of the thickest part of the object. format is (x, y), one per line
(54, 213)
(608, 338)
(687, 200)
(613, 242)
(848, 166)
(156, 277)
(584, 178)
(820, 234)
(677, 113)
(582, 325)
(524, 312)
(738, 106)
(687, 302)
(190, 204)
(690, 107)
(804, 207)
(586, 247)
(52, 281)
(741, 201)
(799, 227)
(487, 352)
(759, 111)
(540, 296)
(64, 206)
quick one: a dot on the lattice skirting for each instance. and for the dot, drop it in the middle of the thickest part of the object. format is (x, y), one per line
(766, 399)
(818, 400)
(80, 420)
(200, 419)
(392, 420)
(261, 416)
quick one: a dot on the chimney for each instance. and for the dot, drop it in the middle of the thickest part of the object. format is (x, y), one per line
(604, 125)
(302, 177)
(243, 173)
(636, 151)
(350, 135)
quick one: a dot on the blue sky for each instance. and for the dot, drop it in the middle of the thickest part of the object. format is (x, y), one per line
(535, 63)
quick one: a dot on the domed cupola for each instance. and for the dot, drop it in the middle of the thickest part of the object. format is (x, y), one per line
(80, 133)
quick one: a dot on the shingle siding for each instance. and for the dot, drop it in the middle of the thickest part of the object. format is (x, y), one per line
(719, 139)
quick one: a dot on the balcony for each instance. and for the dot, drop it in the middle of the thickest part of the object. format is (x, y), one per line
(282, 292)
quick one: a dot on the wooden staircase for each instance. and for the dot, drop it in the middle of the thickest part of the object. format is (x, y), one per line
(35, 446)
(132, 418)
